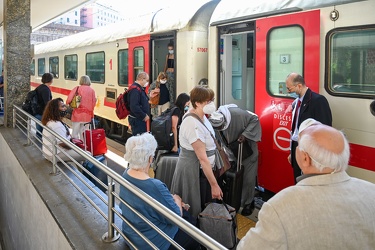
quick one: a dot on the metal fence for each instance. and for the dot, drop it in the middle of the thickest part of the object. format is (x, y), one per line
(27, 124)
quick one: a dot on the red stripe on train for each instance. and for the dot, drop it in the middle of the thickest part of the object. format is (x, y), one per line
(362, 157)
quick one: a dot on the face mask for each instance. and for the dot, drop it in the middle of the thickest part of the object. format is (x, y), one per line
(294, 95)
(209, 108)
(170, 51)
(62, 113)
(186, 108)
(146, 84)
(163, 81)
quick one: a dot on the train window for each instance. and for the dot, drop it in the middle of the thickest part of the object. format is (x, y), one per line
(351, 65)
(95, 66)
(285, 55)
(32, 67)
(123, 67)
(54, 66)
(139, 60)
(41, 66)
(70, 67)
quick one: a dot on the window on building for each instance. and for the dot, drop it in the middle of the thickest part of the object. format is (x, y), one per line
(351, 62)
(41, 66)
(54, 66)
(285, 55)
(123, 67)
(76, 13)
(95, 67)
(71, 67)
(67, 19)
(75, 21)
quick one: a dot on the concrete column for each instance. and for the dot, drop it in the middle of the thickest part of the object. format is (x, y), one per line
(17, 56)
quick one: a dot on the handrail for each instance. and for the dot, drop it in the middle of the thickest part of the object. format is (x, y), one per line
(22, 121)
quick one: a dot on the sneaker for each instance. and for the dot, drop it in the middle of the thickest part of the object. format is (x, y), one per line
(248, 209)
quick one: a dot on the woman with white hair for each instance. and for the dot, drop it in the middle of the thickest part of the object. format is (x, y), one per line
(139, 152)
(85, 111)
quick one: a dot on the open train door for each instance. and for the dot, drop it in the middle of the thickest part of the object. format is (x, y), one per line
(284, 44)
(139, 59)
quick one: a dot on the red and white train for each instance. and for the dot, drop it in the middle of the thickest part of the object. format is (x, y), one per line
(245, 50)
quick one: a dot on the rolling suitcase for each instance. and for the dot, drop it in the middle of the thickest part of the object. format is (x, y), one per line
(95, 143)
(95, 140)
(165, 168)
(231, 182)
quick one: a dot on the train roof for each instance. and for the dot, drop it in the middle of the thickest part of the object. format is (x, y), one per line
(173, 17)
(229, 11)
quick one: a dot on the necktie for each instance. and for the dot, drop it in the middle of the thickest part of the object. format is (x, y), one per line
(296, 115)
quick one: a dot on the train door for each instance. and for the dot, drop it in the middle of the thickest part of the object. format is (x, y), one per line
(236, 66)
(139, 56)
(284, 44)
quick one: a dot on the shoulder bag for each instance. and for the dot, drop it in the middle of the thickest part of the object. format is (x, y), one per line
(222, 163)
(75, 100)
(233, 146)
(154, 100)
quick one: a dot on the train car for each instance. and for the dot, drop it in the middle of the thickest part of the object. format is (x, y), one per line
(254, 45)
(112, 56)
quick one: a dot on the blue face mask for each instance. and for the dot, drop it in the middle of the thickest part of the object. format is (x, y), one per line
(186, 108)
(294, 95)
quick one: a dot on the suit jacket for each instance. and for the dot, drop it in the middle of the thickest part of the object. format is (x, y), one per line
(315, 106)
(329, 211)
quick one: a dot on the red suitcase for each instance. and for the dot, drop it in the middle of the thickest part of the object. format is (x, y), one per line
(96, 141)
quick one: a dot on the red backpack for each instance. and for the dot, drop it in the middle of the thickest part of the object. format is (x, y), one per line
(122, 105)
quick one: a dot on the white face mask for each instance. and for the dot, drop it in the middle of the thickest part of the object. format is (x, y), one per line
(163, 81)
(209, 108)
(146, 84)
(170, 51)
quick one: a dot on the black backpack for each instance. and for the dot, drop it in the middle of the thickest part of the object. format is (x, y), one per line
(161, 129)
(31, 104)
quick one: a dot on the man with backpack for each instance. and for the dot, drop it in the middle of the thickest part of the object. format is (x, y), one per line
(44, 96)
(138, 105)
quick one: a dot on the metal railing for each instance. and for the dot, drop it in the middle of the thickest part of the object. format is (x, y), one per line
(26, 123)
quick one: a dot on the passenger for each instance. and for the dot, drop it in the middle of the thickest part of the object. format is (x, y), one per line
(164, 89)
(182, 103)
(326, 209)
(169, 62)
(44, 96)
(139, 152)
(194, 180)
(234, 124)
(85, 111)
(308, 104)
(53, 119)
(139, 106)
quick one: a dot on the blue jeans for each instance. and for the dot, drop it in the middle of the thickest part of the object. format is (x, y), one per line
(39, 129)
(138, 126)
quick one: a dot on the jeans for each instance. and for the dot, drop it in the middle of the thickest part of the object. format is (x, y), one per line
(39, 129)
(138, 126)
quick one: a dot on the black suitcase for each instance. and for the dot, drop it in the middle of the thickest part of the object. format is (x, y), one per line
(165, 167)
(231, 182)
(96, 172)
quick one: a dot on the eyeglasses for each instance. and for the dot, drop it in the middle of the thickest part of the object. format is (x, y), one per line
(213, 99)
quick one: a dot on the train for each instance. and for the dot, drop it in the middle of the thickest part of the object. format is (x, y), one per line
(244, 52)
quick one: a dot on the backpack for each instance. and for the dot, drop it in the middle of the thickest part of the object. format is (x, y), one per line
(31, 105)
(161, 129)
(122, 105)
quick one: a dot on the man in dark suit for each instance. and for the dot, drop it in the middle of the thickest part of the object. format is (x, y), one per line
(308, 105)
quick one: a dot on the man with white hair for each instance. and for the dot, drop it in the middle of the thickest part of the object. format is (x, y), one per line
(326, 209)
(236, 124)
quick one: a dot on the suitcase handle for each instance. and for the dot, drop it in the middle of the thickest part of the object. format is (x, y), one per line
(239, 156)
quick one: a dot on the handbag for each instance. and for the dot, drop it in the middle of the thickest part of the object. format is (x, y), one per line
(75, 100)
(219, 222)
(222, 163)
(233, 146)
(154, 100)
(78, 142)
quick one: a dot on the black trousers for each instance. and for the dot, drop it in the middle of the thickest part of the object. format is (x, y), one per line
(296, 169)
